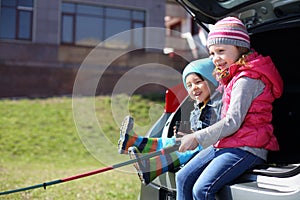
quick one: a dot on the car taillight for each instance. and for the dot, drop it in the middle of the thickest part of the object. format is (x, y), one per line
(174, 96)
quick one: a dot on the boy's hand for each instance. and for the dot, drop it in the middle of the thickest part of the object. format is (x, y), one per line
(181, 128)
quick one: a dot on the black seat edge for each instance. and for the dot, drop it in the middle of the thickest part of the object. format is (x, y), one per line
(281, 171)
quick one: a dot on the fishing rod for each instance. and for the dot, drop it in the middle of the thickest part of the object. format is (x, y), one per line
(163, 151)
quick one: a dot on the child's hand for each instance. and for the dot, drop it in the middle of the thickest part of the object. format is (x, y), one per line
(188, 142)
(181, 128)
(175, 130)
(180, 134)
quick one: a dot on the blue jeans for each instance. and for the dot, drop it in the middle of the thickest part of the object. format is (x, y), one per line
(211, 169)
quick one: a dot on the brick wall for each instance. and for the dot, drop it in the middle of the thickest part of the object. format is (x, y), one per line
(46, 70)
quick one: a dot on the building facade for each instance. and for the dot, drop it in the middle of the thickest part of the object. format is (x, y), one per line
(43, 44)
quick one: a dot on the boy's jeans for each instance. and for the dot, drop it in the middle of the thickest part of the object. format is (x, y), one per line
(204, 175)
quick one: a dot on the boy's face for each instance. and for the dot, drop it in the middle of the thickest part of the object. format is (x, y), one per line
(197, 88)
(223, 55)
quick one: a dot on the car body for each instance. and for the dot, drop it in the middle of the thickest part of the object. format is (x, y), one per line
(274, 29)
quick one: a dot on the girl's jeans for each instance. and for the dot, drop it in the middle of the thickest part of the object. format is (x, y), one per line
(211, 169)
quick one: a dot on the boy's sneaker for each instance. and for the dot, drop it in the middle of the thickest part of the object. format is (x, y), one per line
(126, 127)
(142, 166)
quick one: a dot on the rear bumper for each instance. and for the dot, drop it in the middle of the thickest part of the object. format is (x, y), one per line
(162, 188)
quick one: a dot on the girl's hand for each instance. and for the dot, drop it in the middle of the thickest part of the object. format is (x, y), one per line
(188, 142)
(180, 134)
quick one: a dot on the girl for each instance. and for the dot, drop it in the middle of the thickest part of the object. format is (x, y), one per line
(199, 81)
(244, 135)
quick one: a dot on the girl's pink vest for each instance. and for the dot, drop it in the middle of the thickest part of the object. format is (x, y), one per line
(257, 129)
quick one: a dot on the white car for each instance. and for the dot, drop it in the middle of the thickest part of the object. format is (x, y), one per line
(274, 28)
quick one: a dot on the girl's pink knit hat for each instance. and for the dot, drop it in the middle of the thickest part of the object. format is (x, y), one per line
(229, 30)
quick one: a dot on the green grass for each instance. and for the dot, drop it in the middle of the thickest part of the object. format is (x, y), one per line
(42, 140)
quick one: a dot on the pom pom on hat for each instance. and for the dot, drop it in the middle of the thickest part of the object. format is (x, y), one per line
(231, 31)
(204, 67)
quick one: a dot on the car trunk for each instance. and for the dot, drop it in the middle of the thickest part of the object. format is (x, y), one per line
(274, 29)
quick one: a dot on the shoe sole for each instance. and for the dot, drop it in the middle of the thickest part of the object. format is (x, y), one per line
(137, 165)
(126, 126)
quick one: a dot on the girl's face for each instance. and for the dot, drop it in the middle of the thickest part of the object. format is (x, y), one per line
(224, 55)
(197, 88)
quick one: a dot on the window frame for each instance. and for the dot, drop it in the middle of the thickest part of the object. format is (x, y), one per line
(17, 23)
(75, 14)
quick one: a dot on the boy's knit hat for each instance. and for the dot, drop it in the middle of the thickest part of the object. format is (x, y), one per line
(204, 67)
(229, 30)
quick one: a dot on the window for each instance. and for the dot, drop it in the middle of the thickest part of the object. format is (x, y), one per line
(89, 25)
(16, 19)
(195, 27)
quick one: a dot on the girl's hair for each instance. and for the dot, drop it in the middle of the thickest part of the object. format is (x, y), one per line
(243, 53)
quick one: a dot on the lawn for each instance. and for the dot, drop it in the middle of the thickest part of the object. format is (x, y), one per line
(43, 140)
